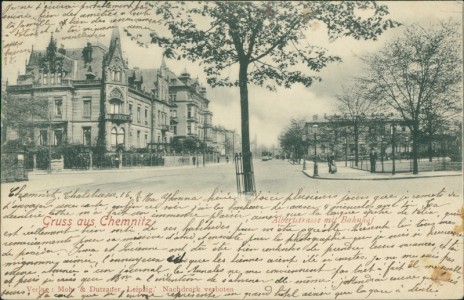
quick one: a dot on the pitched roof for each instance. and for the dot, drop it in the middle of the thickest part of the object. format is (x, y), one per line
(115, 47)
(72, 61)
(148, 77)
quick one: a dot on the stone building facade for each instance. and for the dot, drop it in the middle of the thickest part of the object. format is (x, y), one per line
(95, 98)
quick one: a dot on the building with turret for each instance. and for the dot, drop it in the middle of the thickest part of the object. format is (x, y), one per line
(95, 98)
(190, 115)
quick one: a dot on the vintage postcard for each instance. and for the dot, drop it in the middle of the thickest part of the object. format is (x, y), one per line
(231, 150)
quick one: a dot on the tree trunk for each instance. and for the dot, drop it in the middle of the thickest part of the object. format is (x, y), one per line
(246, 152)
(430, 150)
(415, 149)
(356, 144)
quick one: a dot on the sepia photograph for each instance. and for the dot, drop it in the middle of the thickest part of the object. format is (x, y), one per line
(232, 150)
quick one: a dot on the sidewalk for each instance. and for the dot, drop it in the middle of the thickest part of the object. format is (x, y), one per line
(125, 169)
(347, 173)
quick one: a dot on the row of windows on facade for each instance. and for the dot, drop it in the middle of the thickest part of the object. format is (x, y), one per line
(115, 109)
(118, 138)
(56, 137)
(51, 78)
(56, 78)
(87, 107)
(173, 98)
(191, 129)
(192, 114)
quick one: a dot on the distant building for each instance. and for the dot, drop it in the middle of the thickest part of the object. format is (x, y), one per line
(337, 135)
(190, 116)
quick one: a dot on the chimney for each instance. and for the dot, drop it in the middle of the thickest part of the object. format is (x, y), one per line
(314, 117)
(325, 116)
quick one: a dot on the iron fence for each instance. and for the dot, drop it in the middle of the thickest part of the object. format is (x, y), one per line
(406, 165)
(142, 160)
(88, 160)
(240, 174)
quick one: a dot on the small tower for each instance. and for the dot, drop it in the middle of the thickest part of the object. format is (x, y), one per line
(114, 93)
(184, 76)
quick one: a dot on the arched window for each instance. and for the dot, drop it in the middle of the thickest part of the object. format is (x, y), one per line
(114, 137)
(116, 101)
(121, 136)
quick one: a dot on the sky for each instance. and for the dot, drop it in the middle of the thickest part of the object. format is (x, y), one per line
(271, 112)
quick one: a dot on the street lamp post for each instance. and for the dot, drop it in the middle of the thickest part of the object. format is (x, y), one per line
(406, 147)
(316, 172)
(382, 152)
(49, 140)
(204, 139)
(304, 152)
(233, 145)
(196, 153)
(346, 151)
(392, 128)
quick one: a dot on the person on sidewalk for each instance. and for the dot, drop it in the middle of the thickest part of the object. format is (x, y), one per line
(329, 162)
(373, 159)
(333, 169)
(332, 166)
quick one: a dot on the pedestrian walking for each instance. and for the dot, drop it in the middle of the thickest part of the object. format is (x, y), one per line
(332, 165)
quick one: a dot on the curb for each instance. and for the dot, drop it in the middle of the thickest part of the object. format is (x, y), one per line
(385, 178)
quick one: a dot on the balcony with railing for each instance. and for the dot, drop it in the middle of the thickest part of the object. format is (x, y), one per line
(164, 127)
(192, 119)
(122, 118)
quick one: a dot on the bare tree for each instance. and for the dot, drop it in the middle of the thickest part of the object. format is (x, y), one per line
(355, 105)
(436, 115)
(414, 72)
(291, 139)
